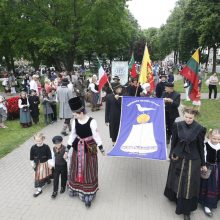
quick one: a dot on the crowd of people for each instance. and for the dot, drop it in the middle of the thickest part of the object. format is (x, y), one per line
(191, 157)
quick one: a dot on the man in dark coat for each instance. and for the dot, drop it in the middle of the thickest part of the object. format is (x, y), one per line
(172, 102)
(80, 87)
(160, 88)
(113, 112)
(135, 88)
(34, 102)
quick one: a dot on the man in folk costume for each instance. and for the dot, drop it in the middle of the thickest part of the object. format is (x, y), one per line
(172, 102)
(160, 88)
(135, 88)
(84, 139)
(64, 94)
(113, 111)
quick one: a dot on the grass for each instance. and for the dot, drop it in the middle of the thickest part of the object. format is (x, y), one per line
(15, 135)
(209, 113)
(178, 86)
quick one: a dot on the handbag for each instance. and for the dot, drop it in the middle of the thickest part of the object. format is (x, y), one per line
(205, 175)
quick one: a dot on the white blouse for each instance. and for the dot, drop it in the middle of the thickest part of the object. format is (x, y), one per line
(215, 147)
(93, 126)
(22, 106)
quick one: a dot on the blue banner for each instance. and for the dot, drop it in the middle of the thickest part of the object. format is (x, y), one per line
(142, 132)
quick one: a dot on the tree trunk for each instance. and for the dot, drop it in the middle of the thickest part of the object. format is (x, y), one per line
(214, 59)
(207, 59)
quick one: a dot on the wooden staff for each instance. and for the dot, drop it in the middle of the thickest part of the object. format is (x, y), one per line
(110, 86)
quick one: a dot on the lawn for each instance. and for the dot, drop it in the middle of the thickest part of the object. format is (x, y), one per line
(178, 86)
(14, 135)
(209, 113)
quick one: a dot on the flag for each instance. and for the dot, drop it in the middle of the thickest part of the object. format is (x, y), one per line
(146, 73)
(132, 67)
(190, 72)
(142, 132)
(103, 77)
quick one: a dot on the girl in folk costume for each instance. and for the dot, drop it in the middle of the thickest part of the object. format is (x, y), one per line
(95, 93)
(23, 104)
(84, 138)
(210, 188)
(34, 102)
(3, 112)
(186, 160)
(39, 155)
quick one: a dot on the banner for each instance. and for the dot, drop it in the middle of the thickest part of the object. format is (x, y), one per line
(142, 132)
(120, 69)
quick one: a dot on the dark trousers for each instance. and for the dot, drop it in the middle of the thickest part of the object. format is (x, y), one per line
(169, 125)
(54, 107)
(59, 170)
(212, 87)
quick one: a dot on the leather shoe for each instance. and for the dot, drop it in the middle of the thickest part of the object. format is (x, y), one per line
(54, 195)
(62, 190)
(37, 193)
(88, 204)
(209, 214)
(186, 217)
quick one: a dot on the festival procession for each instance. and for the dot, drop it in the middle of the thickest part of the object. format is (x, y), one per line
(114, 135)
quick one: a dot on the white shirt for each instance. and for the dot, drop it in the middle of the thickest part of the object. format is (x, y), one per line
(33, 85)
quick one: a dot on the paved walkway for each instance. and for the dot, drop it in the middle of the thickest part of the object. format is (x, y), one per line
(130, 189)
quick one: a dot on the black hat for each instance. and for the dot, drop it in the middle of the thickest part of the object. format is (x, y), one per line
(116, 78)
(65, 81)
(169, 84)
(76, 104)
(117, 85)
(57, 139)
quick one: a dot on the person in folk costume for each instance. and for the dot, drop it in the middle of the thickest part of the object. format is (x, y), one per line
(84, 139)
(34, 102)
(64, 94)
(172, 102)
(210, 188)
(93, 86)
(80, 87)
(135, 88)
(186, 161)
(3, 112)
(40, 154)
(160, 87)
(48, 111)
(59, 165)
(113, 111)
(23, 104)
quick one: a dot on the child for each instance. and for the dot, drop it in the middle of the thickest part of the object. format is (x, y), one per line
(3, 112)
(48, 111)
(60, 165)
(53, 98)
(210, 188)
(23, 104)
(34, 102)
(39, 155)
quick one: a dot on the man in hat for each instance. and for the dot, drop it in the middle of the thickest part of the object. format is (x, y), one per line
(34, 103)
(116, 81)
(160, 88)
(84, 138)
(113, 111)
(135, 88)
(79, 87)
(172, 102)
(64, 94)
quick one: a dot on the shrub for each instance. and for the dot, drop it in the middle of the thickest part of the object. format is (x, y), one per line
(12, 107)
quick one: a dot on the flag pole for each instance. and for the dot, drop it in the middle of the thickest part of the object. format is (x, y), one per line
(110, 86)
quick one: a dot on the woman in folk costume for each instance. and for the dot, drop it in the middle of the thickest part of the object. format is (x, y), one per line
(84, 138)
(39, 155)
(210, 188)
(23, 104)
(186, 161)
(93, 86)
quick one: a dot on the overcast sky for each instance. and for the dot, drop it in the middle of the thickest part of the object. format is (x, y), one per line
(151, 13)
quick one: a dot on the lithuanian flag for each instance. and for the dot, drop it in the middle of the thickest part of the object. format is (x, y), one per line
(190, 72)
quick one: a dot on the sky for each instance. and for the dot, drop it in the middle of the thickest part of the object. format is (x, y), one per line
(151, 13)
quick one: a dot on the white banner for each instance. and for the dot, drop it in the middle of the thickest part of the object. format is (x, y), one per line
(120, 69)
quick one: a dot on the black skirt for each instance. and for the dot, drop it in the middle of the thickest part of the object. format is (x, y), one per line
(183, 183)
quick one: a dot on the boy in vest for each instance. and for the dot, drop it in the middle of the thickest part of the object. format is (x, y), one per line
(60, 165)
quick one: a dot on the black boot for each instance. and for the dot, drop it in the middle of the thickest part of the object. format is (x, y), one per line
(88, 204)
(54, 195)
(62, 190)
(186, 217)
